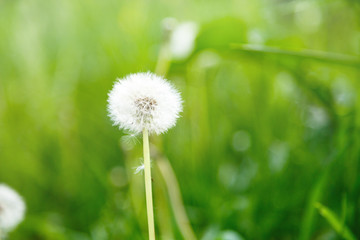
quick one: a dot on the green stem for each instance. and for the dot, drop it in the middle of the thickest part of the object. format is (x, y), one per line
(148, 188)
(177, 203)
(163, 63)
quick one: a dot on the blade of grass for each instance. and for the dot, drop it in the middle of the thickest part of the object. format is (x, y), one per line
(327, 57)
(308, 220)
(176, 200)
(335, 222)
(343, 211)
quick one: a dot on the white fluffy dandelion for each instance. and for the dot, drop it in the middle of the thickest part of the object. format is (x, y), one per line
(147, 103)
(12, 209)
(144, 100)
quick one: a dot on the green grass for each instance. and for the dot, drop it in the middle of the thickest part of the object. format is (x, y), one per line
(266, 132)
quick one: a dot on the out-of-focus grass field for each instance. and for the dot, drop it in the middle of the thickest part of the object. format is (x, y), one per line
(268, 131)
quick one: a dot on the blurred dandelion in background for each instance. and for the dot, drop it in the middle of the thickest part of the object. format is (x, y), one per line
(12, 209)
(182, 40)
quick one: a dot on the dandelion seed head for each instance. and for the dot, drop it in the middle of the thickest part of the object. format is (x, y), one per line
(12, 208)
(144, 100)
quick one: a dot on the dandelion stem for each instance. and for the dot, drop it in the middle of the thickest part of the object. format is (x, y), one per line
(163, 63)
(148, 188)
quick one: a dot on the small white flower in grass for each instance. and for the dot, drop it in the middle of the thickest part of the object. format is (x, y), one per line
(12, 208)
(144, 101)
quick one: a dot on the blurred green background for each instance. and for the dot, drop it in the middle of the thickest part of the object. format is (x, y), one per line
(265, 137)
